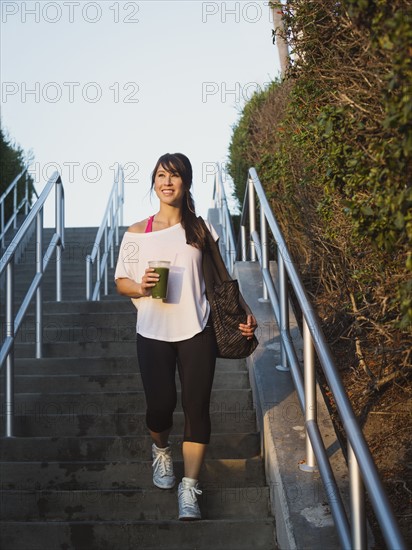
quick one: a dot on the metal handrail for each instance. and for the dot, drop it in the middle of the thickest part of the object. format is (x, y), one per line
(361, 467)
(7, 264)
(227, 246)
(109, 229)
(12, 221)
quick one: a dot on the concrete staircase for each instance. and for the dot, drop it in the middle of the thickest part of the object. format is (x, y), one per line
(78, 475)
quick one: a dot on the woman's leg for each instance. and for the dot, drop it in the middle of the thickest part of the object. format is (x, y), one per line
(157, 363)
(196, 363)
(193, 457)
(161, 439)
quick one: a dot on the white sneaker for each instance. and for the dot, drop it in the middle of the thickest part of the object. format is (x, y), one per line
(163, 476)
(187, 496)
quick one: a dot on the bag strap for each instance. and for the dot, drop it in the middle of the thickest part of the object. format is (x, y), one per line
(214, 268)
(220, 272)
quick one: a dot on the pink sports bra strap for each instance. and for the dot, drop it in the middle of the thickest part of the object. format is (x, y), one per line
(149, 226)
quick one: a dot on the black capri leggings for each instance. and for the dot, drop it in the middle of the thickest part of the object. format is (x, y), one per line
(195, 359)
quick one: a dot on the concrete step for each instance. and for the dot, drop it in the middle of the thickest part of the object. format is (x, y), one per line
(58, 313)
(241, 534)
(98, 346)
(74, 233)
(70, 279)
(73, 281)
(98, 403)
(73, 260)
(79, 239)
(77, 293)
(32, 476)
(69, 272)
(88, 318)
(53, 425)
(71, 276)
(74, 255)
(216, 502)
(71, 291)
(118, 448)
(116, 326)
(121, 330)
(24, 272)
(82, 306)
(100, 365)
(79, 349)
(67, 383)
(24, 275)
(78, 243)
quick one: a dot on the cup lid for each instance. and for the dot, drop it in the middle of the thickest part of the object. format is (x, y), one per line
(159, 263)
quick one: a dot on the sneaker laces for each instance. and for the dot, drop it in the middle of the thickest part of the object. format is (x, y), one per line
(163, 463)
(188, 495)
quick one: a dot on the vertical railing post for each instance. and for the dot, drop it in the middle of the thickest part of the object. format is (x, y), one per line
(26, 196)
(231, 251)
(265, 255)
(113, 224)
(39, 291)
(9, 375)
(227, 235)
(310, 394)
(121, 176)
(98, 274)
(111, 254)
(357, 503)
(218, 192)
(252, 217)
(59, 221)
(2, 224)
(106, 244)
(15, 207)
(243, 242)
(283, 311)
(88, 277)
(227, 240)
(115, 211)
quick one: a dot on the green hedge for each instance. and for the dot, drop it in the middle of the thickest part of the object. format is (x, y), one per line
(332, 144)
(12, 162)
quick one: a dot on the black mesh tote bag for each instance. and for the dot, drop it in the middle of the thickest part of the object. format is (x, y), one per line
(228, 308)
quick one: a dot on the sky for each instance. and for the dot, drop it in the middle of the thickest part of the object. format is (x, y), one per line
(87, 86)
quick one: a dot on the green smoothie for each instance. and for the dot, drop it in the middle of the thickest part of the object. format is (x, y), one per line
(162, 268)
(160, 290)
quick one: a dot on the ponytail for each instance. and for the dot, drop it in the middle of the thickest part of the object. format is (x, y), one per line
(195, 233)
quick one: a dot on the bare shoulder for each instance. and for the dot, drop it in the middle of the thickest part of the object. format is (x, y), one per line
(138, 227)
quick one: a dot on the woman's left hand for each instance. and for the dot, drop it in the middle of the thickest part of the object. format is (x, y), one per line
(249, 328)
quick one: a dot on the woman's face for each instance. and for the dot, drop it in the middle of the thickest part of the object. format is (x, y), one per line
(169, 187)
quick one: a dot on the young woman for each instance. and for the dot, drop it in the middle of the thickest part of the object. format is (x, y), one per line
(175, 330)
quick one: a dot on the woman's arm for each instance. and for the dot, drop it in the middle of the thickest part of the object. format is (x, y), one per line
(128, 287)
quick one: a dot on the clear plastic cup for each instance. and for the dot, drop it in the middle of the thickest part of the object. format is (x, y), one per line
(159, 291)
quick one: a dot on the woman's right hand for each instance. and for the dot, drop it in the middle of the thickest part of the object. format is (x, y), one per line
(149, 279)
(133, 289)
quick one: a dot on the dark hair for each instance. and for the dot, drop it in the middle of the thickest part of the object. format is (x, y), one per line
(180, 164)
